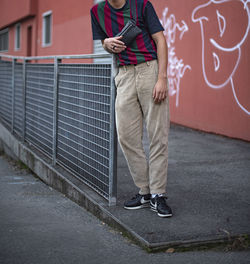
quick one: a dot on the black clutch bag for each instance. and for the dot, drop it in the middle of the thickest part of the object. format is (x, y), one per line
(130, 30)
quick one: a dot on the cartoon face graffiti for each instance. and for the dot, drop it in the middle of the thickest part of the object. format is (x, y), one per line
(221, 50)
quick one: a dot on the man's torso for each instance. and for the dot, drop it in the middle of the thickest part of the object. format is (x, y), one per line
(112, 21)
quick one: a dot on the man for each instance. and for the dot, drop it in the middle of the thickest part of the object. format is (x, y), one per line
(142, 93)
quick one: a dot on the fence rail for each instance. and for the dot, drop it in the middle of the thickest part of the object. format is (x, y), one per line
(65, 110)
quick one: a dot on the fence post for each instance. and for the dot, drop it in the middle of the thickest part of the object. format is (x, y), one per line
(24, 99)
(113, 138)
(55, 110)
(13, 95)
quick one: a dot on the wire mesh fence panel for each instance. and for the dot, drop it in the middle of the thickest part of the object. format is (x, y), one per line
(18, 99)
(67, 112)
(6, 92)
(39, 106)
(83, 143)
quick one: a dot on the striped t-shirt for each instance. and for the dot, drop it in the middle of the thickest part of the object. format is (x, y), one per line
(108, 21)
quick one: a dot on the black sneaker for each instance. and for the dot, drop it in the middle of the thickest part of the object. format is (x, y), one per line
(159, 205)
(137, 202)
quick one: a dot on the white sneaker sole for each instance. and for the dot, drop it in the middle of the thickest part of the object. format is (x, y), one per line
(161, 215)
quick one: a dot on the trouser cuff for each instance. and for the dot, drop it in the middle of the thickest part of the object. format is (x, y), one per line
(163, 192)
(144, 191)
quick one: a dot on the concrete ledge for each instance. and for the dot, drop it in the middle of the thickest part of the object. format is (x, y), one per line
(64, 182)
(54, 176)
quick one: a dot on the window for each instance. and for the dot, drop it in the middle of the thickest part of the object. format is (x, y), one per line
(4, 40)
(47, 28)
(18, 37)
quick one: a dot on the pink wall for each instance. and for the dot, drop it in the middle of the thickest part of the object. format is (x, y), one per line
(14, 10)
(71, 27)
(209, 58)
(24, 29)
(209, 62)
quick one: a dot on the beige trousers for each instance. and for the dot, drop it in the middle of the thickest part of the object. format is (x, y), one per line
(134, 102)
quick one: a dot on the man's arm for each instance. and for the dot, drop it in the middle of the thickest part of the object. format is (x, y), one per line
(161, 88)
(113, 45)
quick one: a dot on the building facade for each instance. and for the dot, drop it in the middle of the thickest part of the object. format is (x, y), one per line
(208, 41)
(46, 27)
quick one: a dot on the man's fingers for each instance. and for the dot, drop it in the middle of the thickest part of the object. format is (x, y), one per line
(159, 96)
(120, 37)
(163, 95)
(119, 43)
(118, 40)
(115, 44)
(118, 49)
(119, 46)
(154, 94)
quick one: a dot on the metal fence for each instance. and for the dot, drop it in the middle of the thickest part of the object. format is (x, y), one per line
(66, 110)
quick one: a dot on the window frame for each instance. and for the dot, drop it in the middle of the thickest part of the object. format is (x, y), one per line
(6, 30)
(48, 13)
(16, 40)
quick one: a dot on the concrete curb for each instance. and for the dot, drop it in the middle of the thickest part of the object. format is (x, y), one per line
(62, 181)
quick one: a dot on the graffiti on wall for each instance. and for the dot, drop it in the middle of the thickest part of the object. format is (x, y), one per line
(176, 66)
(221, 50)
(225, 54)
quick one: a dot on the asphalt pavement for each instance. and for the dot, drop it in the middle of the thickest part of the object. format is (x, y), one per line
(208, 189)
(40, 225)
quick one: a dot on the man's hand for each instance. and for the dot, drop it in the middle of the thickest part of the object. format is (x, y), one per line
(160, 90)
(114, 45)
